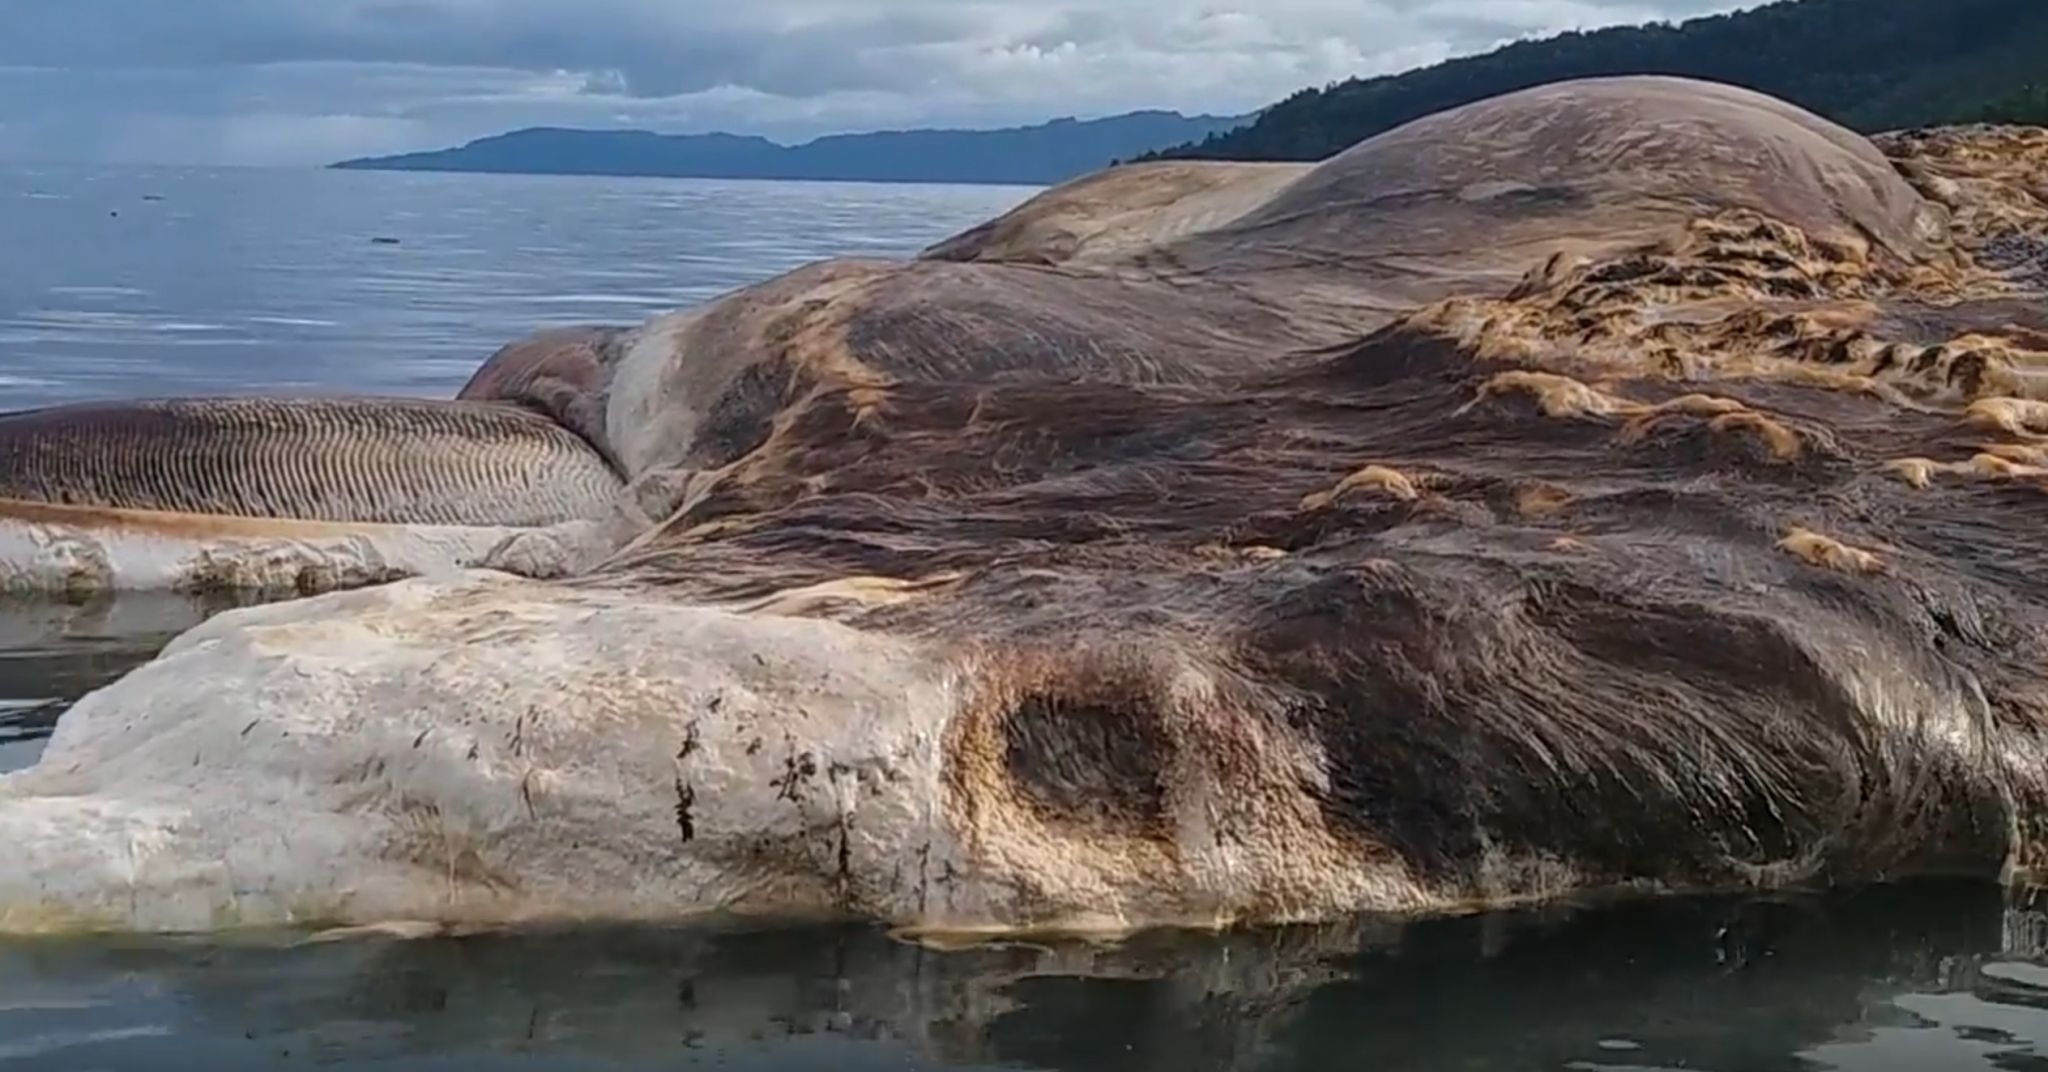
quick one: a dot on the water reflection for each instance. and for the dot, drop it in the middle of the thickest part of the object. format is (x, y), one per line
(1912, 976)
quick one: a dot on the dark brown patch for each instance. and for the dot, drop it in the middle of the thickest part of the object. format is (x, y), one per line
(1082, 762)
(686, 799)
(739, 419)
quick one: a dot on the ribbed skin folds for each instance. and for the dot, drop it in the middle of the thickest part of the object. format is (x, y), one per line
(388, 460)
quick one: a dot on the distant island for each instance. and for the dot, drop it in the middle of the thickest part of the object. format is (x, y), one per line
(1036, 155)
(1872, 65)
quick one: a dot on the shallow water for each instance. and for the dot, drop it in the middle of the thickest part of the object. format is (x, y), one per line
(1927, 976)
(121, 283)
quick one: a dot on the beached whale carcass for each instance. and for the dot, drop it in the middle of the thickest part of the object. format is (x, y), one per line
(1620, 484)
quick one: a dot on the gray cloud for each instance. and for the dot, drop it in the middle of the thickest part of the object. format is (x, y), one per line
(300, 81)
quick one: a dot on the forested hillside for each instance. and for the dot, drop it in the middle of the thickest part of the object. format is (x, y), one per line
(1870, 64)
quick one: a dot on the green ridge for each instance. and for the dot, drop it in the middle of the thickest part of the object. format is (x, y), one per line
(1870, 64)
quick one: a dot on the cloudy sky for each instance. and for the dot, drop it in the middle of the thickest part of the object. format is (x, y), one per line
(307, 81)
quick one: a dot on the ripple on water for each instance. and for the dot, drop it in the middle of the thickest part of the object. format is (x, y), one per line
(102, 323)
(648, 300)
(291, 322)
(97, 292)
(1632, 986)
(24, 726)
(18, 1049)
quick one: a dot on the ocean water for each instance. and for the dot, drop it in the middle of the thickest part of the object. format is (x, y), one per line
(118, 283)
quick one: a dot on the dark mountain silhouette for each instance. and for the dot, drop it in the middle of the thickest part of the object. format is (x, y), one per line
(1043, 154)
(1869, 64)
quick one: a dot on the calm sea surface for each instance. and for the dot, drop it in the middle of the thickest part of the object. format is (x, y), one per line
(125, 283)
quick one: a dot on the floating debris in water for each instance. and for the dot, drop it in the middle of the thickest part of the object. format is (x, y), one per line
(383, 240)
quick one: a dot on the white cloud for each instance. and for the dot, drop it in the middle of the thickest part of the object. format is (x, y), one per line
(303, 81)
